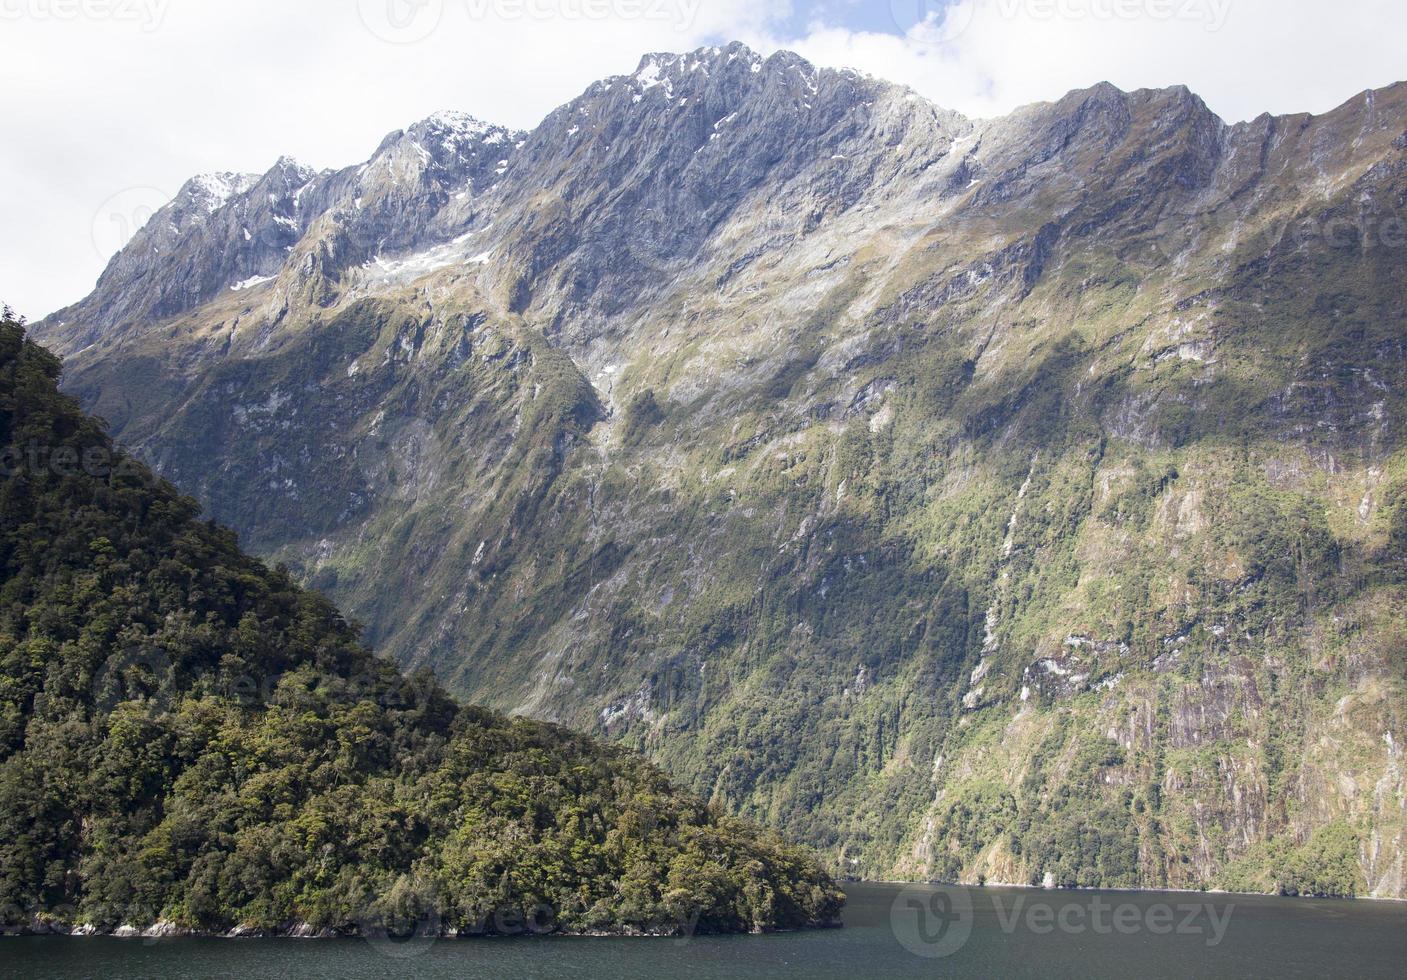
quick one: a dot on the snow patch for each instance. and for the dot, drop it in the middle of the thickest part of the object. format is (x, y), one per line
(251, 282)
(410, 267)
(649, 76)
(214, 190)
(458, 123)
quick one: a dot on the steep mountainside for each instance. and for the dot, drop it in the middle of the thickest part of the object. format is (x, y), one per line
(188, 741)
(1020, 498)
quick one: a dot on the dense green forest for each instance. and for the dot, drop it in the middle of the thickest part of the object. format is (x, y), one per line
(188, 737)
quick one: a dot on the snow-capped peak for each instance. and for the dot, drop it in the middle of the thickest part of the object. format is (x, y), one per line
(453, 130)
(293, 165)
(215, 189)
(459, 123)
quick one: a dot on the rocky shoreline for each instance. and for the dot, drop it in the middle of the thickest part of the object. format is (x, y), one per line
(303, 930)
(170, 930)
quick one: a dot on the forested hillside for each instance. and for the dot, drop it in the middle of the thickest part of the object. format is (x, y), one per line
(189, 738)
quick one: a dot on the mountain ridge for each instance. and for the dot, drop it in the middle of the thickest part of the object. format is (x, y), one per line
(1102, 94)
(781, 61)
(1001, 498)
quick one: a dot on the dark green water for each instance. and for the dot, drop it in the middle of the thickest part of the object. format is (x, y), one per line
(890, 932)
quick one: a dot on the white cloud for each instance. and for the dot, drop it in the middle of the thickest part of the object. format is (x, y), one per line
(1244, 57)
(95, 106)
(131, 97)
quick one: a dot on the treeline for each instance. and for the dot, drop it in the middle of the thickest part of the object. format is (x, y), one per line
(186, 736)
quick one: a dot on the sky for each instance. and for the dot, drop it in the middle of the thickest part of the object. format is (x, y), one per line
(109, 106)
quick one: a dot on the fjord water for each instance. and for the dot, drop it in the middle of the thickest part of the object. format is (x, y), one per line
(1013, 933)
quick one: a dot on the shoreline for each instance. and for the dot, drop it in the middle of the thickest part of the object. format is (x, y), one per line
(1129, 890)
(306, 931)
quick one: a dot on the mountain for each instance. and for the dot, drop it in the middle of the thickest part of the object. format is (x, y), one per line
(1019, 499)
(189, 741)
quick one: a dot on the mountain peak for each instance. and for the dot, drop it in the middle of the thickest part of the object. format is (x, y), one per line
(459, 123)
(699, 58)
(450, 131)
(212, 190)
(669, 69)
(292, 165)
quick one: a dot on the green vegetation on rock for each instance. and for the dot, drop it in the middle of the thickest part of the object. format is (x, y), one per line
(187, 736)
(1326, 866)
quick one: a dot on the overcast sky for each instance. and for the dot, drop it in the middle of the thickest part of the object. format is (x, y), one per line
(109, 106)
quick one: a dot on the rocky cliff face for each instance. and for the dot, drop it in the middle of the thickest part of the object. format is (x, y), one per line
(1001, 498)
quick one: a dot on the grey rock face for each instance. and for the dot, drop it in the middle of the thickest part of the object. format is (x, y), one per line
(234, 232)
(802, 433)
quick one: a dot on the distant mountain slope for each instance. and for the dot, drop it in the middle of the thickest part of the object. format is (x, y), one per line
(188, 737)
(1017, 498)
